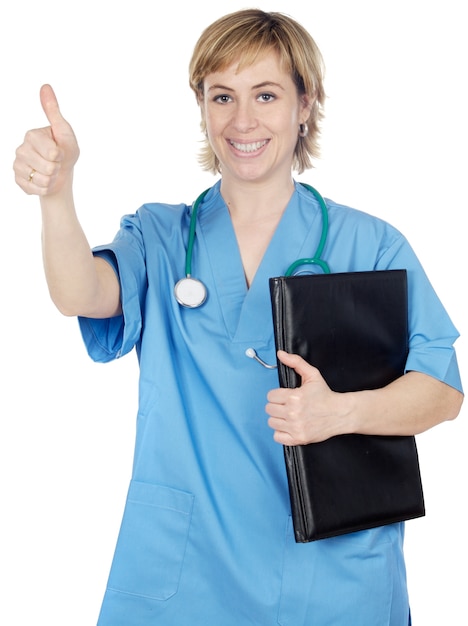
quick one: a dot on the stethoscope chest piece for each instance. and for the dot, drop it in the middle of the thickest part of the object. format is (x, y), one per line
(190, 292)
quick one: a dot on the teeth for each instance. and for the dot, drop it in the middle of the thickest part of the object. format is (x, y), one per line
(248, 147)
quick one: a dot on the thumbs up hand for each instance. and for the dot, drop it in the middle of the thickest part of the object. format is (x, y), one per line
(44, 162)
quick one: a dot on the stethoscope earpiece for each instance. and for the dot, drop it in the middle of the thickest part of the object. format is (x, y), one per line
(252, 354)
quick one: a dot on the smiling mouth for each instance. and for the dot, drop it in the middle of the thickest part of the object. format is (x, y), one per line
(249, 147)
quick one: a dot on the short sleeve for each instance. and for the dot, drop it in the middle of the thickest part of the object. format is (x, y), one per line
(108, 339)
(432, 334)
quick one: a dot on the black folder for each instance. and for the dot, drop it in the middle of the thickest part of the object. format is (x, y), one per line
(353, 327)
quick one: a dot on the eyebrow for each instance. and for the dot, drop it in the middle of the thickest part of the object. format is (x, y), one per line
(267, 83)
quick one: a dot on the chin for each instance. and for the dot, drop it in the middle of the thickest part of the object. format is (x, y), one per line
(251, 173)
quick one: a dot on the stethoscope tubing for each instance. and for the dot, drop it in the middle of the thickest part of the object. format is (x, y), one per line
(316, 259)
(200, 297)
(192, 233)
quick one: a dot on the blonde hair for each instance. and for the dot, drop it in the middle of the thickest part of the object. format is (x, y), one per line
(243, 37)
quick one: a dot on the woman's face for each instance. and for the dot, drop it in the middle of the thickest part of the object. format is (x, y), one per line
(252, 119)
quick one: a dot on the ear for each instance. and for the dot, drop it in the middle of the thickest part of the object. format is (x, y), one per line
(306, 104)
(201, 104)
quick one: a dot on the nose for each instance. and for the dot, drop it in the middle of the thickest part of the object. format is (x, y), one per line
(244, 119)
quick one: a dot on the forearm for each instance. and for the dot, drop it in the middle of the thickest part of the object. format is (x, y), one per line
(77, 281)
(313, 412)
(408, 406)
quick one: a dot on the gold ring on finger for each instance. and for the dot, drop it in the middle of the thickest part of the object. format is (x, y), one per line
(31, 175)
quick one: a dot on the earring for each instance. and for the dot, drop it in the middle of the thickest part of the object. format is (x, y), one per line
(303, 130)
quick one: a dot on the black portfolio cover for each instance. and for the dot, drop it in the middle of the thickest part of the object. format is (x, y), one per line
(354, 328)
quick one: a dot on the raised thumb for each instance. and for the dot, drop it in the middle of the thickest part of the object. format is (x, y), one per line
(51, 109)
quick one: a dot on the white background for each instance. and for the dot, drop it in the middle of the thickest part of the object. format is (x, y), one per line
(394, 144)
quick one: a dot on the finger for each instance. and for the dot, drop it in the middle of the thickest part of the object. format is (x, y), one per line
(38, 152)
(33, 182)
(275, 411)
(279, 395)
(50, 105)
(35, 179)
(298, 364)
(284, 439)
(281, 433)
(61, 129)
(32, 171)
(40, 148)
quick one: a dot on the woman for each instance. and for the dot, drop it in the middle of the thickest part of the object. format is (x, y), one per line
(207, 535)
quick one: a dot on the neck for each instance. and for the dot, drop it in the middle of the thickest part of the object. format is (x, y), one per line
(249, 202)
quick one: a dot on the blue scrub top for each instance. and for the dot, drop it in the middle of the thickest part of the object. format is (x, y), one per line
(207, 537)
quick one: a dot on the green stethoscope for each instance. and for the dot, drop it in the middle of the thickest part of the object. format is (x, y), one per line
(191, 292)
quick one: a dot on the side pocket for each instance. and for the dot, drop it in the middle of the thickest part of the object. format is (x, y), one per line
(350, 579)
(152, 540)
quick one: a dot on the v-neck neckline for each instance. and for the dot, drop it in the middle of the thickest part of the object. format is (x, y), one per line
(247, 310)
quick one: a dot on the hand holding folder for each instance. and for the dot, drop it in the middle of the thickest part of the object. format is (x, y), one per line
(353, 327)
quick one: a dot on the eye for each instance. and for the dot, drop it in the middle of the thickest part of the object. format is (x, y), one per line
(222, 98)
(266, 97)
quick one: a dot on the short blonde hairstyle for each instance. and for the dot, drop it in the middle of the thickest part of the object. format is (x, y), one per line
(243, 37)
